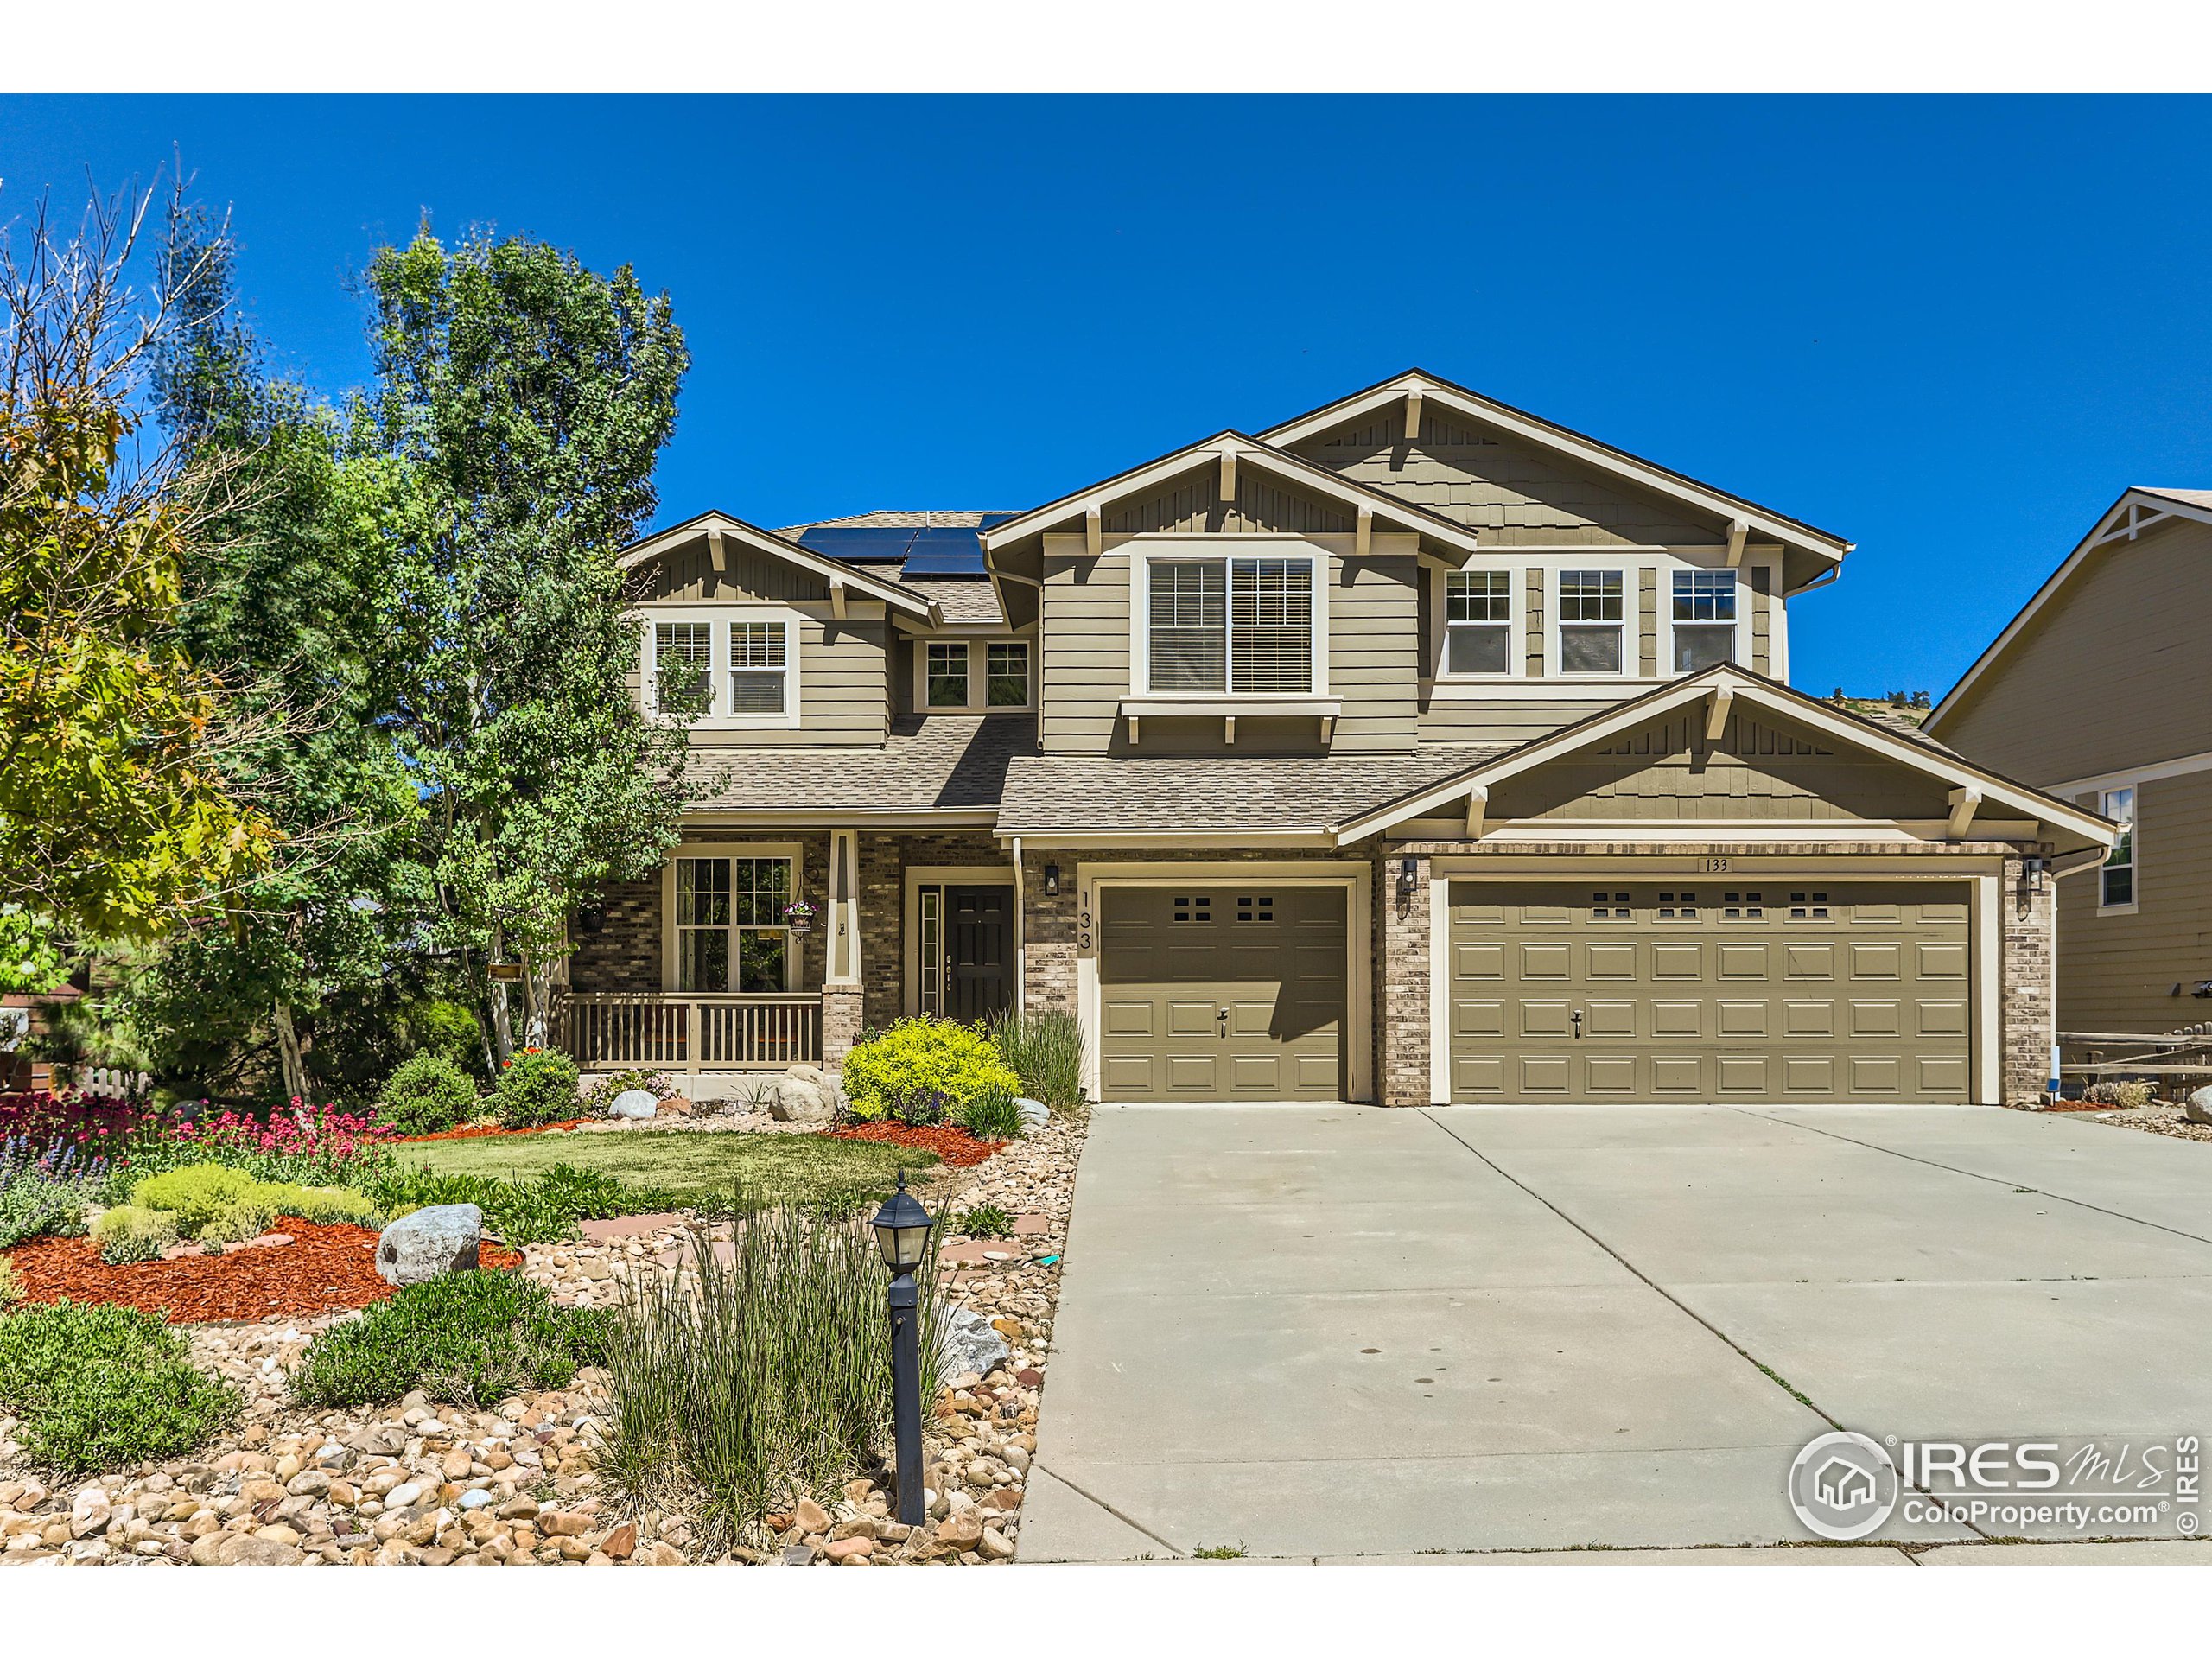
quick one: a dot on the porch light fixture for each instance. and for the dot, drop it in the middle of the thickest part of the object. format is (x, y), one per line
(1051, 880)
(902, 1234)
(1409, 875)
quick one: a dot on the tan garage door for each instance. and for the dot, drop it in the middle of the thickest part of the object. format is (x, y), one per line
(1789, 990)
(1222, 993)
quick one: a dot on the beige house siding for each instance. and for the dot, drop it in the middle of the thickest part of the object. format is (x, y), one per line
(1501, 721)
(2112, 671)
(1193, 504)
(1374, 651)
(2117, 972)
(1086, 645)
(1478, 478)
(689, 573)
(844, 692)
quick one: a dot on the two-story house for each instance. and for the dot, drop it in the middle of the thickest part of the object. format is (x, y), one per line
(1417, 750)
(2114, 633)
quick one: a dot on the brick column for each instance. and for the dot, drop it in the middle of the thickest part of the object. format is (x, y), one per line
(1048, 943)
(840, 1023)
(2029, 996)
(1402, 979)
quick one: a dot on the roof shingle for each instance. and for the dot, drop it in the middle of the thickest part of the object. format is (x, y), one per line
(935, 761)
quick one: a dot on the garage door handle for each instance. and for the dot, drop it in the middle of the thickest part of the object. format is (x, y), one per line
(1578, 1025)
(1221, 1015)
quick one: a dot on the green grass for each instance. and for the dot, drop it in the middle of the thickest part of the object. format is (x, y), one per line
(807, 1169)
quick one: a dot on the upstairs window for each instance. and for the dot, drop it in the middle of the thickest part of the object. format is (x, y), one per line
(1008, 664)
(2118, 876)
(1591, 617)
(945, 685)
(1244, 625)
(1704, 619)
(759, 665)
(683, 667)
(1478, 618)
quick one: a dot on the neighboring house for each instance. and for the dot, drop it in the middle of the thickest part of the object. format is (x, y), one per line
(2099, 692)
(1417, 750)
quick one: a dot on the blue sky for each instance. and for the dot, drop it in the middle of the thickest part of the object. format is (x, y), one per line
(1951, 330)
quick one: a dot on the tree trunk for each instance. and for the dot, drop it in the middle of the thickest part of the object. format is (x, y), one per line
(503, 1031)
(288, 1051)
(483, 1029)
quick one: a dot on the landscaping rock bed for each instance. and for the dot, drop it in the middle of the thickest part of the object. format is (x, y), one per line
(513, 1484)
(2157, 1118)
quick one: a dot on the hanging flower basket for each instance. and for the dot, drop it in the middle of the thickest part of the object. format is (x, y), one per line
(799, 915)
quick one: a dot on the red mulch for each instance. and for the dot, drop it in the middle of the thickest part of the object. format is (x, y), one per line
(322, 1269)
(483, 1130)
(956, 1147)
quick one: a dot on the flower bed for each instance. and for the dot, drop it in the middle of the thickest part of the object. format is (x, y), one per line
(958, 1148)
(324, 1269)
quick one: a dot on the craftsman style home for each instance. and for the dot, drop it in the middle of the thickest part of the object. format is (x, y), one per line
(1417, 750)
(2120, 626)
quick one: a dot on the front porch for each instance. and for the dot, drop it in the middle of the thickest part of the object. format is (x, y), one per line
(690, 1032)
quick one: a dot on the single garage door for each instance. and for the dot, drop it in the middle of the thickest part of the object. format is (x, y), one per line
(1789, 991)
(1222, 993)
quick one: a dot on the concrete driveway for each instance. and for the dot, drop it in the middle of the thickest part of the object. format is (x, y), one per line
(1342, 1332)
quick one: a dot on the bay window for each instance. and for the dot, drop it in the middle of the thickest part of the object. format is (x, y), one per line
(1704, 619)
(1478, 618)
(1238, 624)
(1591, 616)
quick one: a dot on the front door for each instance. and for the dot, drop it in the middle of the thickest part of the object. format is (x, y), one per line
(974, 970)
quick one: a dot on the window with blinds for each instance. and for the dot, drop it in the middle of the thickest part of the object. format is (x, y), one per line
(684, 671)
(759, 666)
(1244, 626)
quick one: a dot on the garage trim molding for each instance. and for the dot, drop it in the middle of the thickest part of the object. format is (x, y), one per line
(1356, 878)
(1982, 875)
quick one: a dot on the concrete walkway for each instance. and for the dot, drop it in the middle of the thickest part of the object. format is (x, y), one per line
(1349, 1333)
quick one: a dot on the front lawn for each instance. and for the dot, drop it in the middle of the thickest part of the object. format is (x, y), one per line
(704, 1167)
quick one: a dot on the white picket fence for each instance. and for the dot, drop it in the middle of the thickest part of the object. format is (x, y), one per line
(108, 1083)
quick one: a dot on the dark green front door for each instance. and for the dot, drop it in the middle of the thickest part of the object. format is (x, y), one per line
(979, 937)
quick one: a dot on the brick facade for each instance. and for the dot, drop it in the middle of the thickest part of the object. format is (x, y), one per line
(2028, 993)
(1401, 972)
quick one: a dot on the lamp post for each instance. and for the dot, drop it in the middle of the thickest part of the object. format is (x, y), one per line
(902, 1234)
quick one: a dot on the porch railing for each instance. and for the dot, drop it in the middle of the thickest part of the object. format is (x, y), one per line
(689, 1031)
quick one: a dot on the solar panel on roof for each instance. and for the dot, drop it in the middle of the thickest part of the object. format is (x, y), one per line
(870, 542)
(991, 518)
(944, 553)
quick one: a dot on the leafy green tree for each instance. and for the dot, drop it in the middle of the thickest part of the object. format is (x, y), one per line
(115, 818)
(294, 605)
(531, 398)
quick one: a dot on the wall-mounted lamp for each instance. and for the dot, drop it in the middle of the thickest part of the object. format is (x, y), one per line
(591, 922)
(1409, 875)
(1051, 880)
(2032, 870)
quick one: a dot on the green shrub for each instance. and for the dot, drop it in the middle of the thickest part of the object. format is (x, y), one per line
(128, 1234)
(1045, 1052)
(31, 1206)
(991, 1116)
(427, 1095)
(2129, 1096)
(537, 1086)
(600, 1096)
(11, 1285)
(101, 1386)
(984, 1221)
(921, 1069)
(198, 1194)
(326, 1206)
(539, 1212)
(738, 1388)
(448, 1030)
(472, 1337)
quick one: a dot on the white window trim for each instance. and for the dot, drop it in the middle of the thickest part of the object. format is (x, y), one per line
(791, 849)
(1229, 548)
(1515, 625)
(1631, 624)
(719, 617)
(1739, 646)
(2134, 788)
(979, 674)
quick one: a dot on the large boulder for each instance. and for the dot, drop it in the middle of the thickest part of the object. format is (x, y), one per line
(633, 1103)
(803, 1094)
(2199, 1108)
(440, 1240)
(1035, 1113)
(966, 1341)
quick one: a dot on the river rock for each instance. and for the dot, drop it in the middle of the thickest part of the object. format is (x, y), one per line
(429, 1243)
(1035, 1113)
(2199, 1108)
(803, 1094)
(633, 1103)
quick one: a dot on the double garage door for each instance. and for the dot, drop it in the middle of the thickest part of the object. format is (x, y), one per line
(1788, 991)
(1230, 993)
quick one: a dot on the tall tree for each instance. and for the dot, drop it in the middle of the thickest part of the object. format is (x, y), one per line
(294, 605)
(116, 820)
(532, 398)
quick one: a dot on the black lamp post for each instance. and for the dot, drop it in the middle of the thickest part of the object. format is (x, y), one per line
(902, 1233)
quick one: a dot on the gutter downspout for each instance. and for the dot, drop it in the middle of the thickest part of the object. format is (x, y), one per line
(1020, 955)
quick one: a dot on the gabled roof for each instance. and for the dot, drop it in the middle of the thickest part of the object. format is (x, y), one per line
(2137, 509)
(1248, 452)
(1742, 686)
(776, 547)
(1564, 440)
